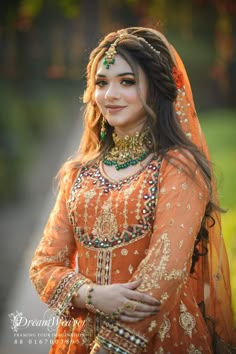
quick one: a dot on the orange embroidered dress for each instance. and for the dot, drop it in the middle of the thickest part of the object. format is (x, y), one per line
(143, 226)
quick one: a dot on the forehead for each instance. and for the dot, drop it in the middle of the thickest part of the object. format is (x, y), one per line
(120, 66)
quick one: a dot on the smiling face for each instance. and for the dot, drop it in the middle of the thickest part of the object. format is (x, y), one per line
(118, 97)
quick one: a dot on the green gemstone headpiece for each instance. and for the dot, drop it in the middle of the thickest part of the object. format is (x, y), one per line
(111, 53)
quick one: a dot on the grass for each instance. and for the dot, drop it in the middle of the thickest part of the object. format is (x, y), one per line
(220, 131)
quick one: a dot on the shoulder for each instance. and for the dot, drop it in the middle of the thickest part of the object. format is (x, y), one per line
(67, 176)
(180, 159)
(181, 165)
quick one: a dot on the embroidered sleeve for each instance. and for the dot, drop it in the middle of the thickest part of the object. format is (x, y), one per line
(53, 267)
(165, 269)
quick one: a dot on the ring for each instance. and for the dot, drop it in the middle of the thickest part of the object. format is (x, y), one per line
(130, 306)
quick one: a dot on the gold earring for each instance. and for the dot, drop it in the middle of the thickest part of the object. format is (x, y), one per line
(103, 132)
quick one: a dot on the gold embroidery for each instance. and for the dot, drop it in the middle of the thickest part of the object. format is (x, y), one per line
(131, 269)
(193, 350)
(124, 252)
(106, 224)
(149, 271)
(88, 196)
(164, 297)
(127, 193)
(186, 320)
(61, 256)
(104, 266)
(98, 202)
(39, 285)
(152, 325)
(164, 329)
(190, 231)
(140, 194)
(86, 333)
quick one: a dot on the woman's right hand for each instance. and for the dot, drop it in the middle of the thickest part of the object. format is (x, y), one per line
(131, 304)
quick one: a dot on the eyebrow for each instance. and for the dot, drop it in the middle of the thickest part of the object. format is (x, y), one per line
(119, 75)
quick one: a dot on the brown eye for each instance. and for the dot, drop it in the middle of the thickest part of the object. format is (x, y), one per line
(128, 82)
(100, 83)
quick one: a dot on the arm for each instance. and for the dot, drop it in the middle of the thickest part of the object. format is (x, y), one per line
(52, 269)
(165, 269)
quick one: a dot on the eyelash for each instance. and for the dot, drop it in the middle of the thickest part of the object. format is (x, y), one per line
(124, 82)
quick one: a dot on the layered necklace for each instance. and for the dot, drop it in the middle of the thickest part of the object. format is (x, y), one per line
(129, 150)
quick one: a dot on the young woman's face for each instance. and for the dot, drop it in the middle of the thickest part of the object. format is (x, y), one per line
(117, 97)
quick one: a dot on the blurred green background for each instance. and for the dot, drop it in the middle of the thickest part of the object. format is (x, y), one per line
(44, 47)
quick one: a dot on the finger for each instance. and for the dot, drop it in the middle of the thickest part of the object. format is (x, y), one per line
(133, 284)
(139, 314)
(144, 298)
(130, 319)
(146, 308)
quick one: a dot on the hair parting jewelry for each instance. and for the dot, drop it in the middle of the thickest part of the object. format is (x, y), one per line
(110, 54)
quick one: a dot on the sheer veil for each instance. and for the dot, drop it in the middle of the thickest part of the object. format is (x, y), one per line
(211, 280)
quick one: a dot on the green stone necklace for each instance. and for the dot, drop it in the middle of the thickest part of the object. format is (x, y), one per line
(129, 150)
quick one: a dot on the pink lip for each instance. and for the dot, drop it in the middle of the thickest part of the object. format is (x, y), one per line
(114, 108)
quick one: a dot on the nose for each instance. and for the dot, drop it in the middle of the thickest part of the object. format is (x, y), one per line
(112, 92)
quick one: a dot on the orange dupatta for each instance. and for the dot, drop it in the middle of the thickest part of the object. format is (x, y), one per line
(212, 276)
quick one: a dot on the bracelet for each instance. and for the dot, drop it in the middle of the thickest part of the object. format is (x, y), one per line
(74, 292)
(90, 307)
(88, 302)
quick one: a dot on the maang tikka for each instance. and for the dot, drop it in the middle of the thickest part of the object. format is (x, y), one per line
(111, 53)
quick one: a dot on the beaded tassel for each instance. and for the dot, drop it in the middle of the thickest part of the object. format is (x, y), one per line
(103, 132)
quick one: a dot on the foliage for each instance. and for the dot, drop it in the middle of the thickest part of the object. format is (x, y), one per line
(220, 129)
(27, 117)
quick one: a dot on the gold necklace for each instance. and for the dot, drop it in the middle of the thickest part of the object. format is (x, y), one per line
(129, 150)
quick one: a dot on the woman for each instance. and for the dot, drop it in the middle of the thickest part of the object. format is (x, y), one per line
(136, 210)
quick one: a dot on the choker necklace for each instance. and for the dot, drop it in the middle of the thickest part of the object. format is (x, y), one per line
(129, 150)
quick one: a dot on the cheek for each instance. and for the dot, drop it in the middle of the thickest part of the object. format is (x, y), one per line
(132, 96)
(99, 97)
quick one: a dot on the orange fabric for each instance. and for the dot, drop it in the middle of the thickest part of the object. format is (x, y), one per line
(144, 226)
(213, 272)
(159, 250)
